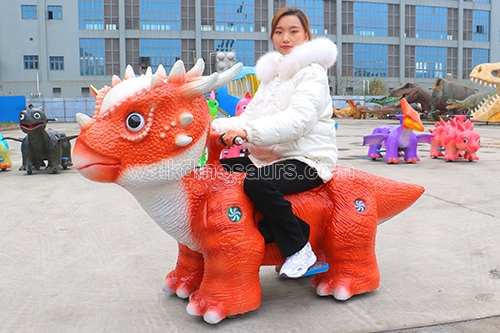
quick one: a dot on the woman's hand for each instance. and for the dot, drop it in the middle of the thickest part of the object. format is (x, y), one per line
(229, 137)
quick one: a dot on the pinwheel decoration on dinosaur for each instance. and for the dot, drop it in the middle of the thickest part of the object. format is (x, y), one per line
(147, 135)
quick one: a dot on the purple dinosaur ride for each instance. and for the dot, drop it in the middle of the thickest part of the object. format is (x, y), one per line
(398, 139)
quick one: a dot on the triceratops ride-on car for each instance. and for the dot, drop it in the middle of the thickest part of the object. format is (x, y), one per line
(147, 135)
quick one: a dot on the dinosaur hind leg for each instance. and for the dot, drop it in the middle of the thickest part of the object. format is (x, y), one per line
(349, 242)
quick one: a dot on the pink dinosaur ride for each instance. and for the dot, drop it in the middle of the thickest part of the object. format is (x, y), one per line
(147, 135)
(457, 138)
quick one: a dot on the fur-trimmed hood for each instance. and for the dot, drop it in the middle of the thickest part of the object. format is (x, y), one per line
(321, 50)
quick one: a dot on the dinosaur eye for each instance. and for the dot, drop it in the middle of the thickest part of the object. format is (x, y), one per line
(37, 115)
(135, 122)
(22, 116)
(244, 107)
(465, 140)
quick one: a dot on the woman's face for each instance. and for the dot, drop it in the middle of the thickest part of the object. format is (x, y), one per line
(288, 33)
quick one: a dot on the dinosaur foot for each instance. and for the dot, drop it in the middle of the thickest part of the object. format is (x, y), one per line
(471, 157)
(181, 286)
(213, 308)
(343, 289)
(436, 154)
(393, 160)
(375, 156)
(412, 160)
(53, 168)
(212, 312)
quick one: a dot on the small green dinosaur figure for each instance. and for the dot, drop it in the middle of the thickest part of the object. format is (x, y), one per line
(471, 102)
(384, 100)
(40, 144)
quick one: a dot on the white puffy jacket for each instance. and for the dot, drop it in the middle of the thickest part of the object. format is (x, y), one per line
(290, 116)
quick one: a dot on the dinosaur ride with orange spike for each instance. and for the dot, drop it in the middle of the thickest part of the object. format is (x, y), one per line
(147, 135)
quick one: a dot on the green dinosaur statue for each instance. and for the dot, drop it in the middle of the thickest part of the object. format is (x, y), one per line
(40, 144)
(384, 100)
(471, 102)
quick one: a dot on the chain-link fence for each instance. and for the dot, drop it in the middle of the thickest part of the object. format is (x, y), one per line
(64, 109)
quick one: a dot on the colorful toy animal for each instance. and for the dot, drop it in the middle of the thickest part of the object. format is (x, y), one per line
(39, 144)
(238, 150)
(351, 111)
(457, 138)
(473, 102)
(148, 133)
(5, 161)
(397, 138)
(487, 74)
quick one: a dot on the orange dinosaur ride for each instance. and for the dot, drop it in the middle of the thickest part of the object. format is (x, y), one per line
(147, 135)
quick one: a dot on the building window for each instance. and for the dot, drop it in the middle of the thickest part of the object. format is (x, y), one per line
(480, 56)
(370, 19)
(160, 51)
(481, 25)
(56, 90)
(160, 15)
(431, 22)
(30, 62)
(28, 12)
(314, 11)
(54, 12)
(370, 60)
(92, 56)
(234, 15)
(56, 63)
(430, 62)
(90, 15)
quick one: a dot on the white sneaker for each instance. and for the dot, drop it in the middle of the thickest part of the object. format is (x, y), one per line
(297, 264)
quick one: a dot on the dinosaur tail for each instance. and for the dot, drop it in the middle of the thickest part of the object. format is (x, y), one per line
(391, 197)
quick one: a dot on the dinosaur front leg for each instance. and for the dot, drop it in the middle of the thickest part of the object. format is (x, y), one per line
(233, 250)
(450, 152)
(471, 156)
(28, 158)
(54, 159)
(392, 152)
(410, 155)
(187, 275)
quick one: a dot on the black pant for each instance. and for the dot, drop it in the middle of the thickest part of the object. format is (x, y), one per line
(266, 187)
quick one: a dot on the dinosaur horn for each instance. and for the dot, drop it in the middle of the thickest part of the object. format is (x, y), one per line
(228, 75)
(129, 73)
(83, 120)
(199, 87)
(177, 73)
(157, 81)
(95, 92)
(197, 69)
(149, 72)
(115, 80)
(160, 72)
